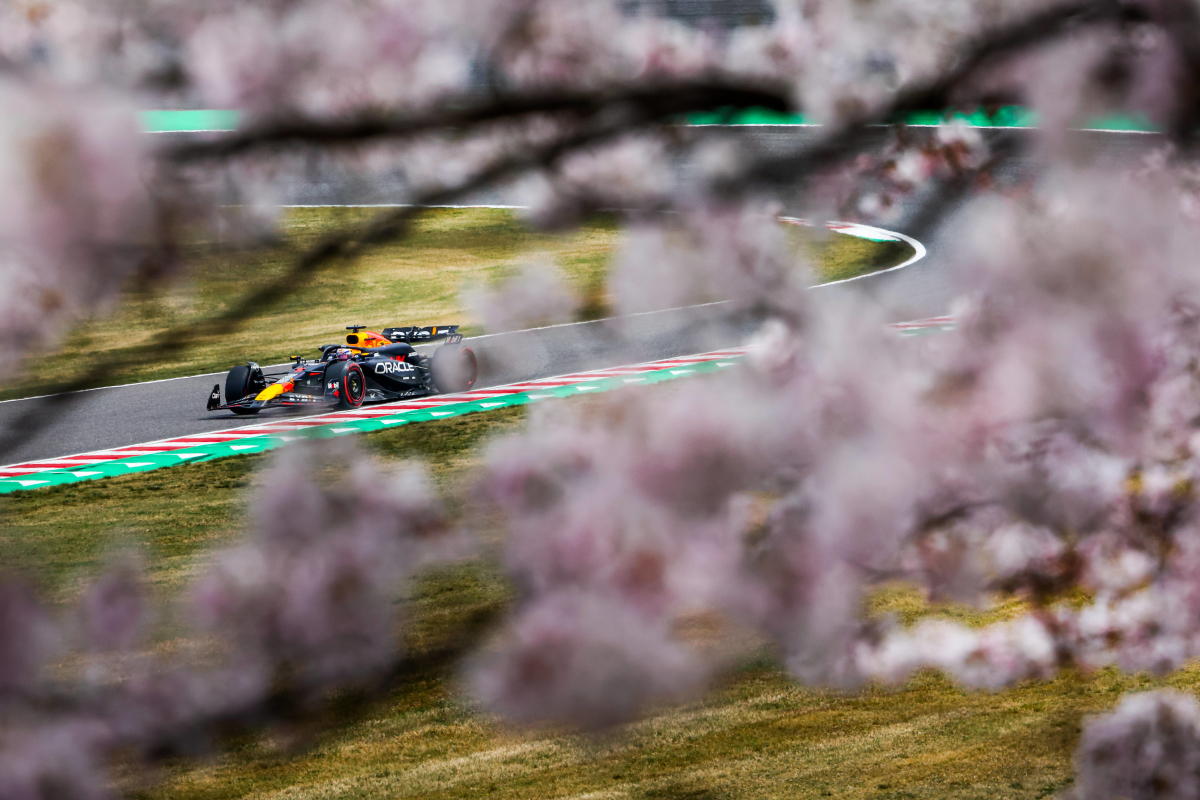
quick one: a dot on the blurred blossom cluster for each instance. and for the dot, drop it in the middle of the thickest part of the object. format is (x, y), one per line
(1049, 450)
(76, 219)
(708, 254)
(307, 604)
(878, 185)
(536, 296)
(1149, 747)
(313, 591)
(1048, 446)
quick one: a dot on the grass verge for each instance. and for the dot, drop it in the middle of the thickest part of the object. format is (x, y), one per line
(844, 257)
(757, 735)
(416, 281)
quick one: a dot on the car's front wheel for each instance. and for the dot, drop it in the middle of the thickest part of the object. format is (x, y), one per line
(238, 385)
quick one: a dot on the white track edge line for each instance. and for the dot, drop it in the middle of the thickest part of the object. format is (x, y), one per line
(123, 385)
(919, 251)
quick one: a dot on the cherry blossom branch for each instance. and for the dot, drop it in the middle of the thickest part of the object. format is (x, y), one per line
(843, 140)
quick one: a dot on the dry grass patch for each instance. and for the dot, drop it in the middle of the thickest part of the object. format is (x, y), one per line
(761, 736)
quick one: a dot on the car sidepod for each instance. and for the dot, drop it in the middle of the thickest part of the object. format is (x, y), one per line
(392, 377)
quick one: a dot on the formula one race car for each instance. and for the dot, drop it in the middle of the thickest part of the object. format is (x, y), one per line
(370, 367)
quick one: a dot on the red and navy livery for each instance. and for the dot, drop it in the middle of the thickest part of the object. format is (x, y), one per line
(369, 368)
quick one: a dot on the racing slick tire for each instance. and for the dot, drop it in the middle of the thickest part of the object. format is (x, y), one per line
(352, 384)
(454, 368)
(237, 386)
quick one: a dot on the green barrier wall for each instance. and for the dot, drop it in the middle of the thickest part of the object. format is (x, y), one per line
(1005, 117)
(164, 121)
(188, 121)
(1009, 116)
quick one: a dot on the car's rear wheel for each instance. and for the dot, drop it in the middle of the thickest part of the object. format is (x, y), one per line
(237, 386)
(351, 384)
(454, 368)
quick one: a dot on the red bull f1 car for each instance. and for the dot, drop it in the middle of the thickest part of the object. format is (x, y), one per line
(369, 368)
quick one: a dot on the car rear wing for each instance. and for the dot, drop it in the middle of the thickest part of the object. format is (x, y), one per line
(418, 335)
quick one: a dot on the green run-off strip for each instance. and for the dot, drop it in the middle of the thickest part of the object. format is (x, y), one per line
(261, 444)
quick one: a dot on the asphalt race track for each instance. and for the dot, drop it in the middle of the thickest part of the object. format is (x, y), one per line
(143, 412)
(136, 413)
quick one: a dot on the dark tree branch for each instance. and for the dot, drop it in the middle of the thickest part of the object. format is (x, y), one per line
(1180, 20)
